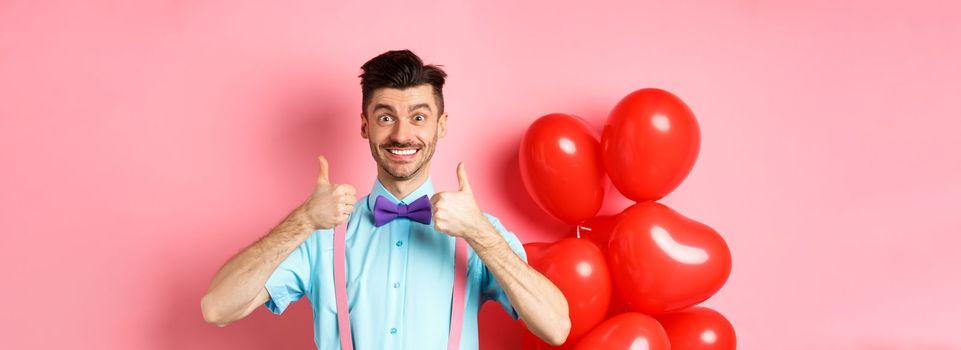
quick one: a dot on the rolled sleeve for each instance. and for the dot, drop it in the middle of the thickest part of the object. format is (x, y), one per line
(490, 288)
(292, 279)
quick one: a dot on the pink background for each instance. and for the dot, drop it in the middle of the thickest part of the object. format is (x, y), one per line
(144, 144)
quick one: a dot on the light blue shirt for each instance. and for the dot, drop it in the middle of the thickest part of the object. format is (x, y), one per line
(399, 281)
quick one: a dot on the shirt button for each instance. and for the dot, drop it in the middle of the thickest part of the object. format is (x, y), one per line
(396, 285)
(393, 331)
(399, 243)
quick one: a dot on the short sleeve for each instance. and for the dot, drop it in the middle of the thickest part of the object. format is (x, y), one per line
(291, 280)
(490, 288)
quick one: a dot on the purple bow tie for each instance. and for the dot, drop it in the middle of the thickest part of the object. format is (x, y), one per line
(385, 211)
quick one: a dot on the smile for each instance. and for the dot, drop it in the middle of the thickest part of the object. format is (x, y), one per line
(403, 152)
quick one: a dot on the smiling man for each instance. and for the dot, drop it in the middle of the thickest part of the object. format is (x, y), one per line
(399, 244)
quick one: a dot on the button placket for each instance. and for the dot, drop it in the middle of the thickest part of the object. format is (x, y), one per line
(400, 232)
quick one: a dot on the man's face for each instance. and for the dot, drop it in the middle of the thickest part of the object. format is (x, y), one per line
(402, 127)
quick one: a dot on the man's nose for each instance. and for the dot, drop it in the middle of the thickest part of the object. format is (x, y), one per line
(401, 133)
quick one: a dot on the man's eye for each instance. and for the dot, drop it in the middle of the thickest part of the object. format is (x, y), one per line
(419, 118)
(385, 118)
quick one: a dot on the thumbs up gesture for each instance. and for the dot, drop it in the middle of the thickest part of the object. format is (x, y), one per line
(330, 205)
(456, 213)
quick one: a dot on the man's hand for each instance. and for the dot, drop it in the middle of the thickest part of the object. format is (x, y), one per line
(238, 288)
(456, 213)
(330, 205)
(537, 300)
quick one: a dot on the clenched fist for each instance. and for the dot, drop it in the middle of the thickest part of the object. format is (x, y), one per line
(330, 205)
(456, 213)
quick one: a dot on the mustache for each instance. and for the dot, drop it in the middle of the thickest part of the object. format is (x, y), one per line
(401, 145)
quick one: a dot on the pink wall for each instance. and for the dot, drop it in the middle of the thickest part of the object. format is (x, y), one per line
(142, 145)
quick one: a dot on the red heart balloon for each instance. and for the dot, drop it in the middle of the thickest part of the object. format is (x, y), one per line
(626, 331)
(561, 168)
(579, 270)
(662, 261)
(698, 328)
(649, 144)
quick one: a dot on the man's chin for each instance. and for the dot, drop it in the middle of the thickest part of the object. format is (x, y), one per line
(400, 173)
(401, 169)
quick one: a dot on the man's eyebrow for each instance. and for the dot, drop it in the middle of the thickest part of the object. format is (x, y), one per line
(385, 106)
(420, 105)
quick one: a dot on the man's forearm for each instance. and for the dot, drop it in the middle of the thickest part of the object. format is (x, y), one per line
(239, 282)
(537, 300)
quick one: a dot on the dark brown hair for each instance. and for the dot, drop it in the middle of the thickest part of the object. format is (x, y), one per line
(400, 69)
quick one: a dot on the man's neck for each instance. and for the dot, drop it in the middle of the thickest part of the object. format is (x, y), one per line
(401, 188)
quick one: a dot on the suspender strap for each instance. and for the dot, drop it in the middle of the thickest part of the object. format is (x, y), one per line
(340, 290)
(340, 286)
(460, 280)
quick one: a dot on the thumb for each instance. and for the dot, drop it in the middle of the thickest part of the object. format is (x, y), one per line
(323, 178)
(462, 178)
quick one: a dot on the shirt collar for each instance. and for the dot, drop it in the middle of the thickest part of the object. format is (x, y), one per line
(425, 189)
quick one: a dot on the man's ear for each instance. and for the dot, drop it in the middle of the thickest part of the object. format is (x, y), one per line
(442, 125)
(363, 126)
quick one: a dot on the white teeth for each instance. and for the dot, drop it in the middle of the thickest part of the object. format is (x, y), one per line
(403, 152)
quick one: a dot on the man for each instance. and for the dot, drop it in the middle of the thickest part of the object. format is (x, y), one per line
(399, 272)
